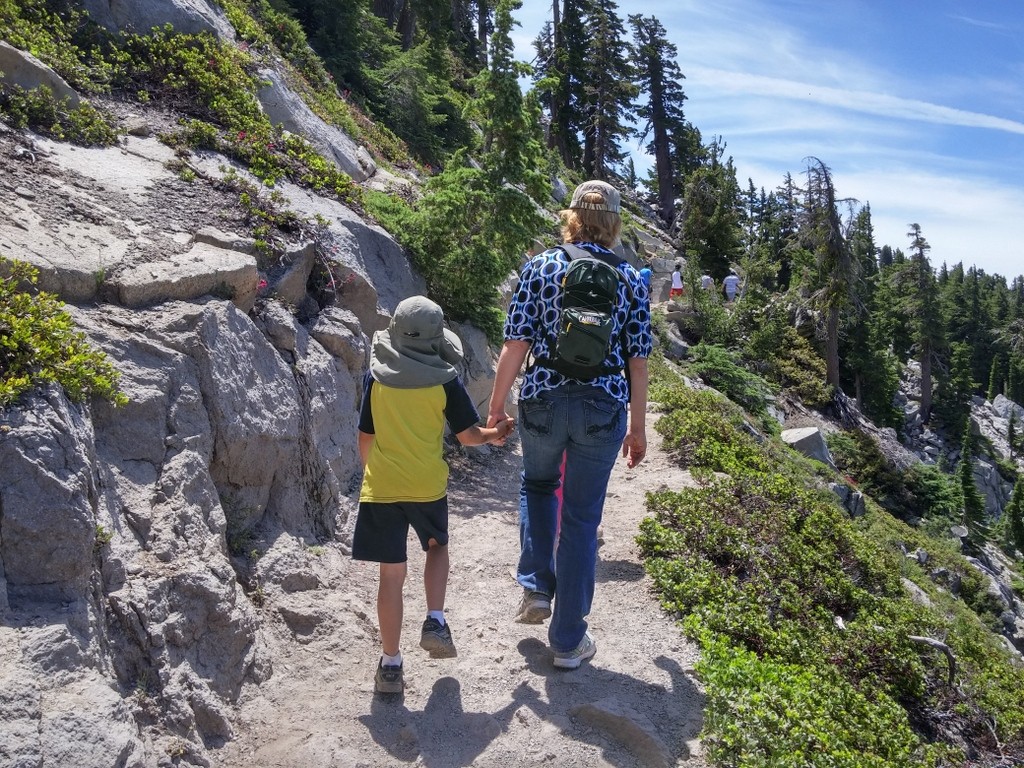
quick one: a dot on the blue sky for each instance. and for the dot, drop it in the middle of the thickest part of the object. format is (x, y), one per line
(917, 106)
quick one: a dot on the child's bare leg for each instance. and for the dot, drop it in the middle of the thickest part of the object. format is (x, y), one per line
(435, 575)
(389, 606)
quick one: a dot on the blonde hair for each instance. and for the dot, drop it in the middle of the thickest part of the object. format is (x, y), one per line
(583, 225)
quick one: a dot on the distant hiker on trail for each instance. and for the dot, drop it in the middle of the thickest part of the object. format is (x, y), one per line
(731, 284)
(645, 275)
(411, 389)
(707, 282)
(561, 411)
(677, 282)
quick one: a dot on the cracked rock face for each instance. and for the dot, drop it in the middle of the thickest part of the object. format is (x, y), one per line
(139, 544)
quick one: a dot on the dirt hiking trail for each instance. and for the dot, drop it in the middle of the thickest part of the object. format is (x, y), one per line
(500, 703)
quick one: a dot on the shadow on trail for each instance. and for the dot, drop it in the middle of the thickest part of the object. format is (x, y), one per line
(456, 737)
(641, 723)
(618, 570)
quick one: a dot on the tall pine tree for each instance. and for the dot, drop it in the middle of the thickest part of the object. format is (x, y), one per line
(610, 93)
(660, 79)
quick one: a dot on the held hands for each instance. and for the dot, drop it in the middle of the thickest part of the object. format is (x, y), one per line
(504, 427)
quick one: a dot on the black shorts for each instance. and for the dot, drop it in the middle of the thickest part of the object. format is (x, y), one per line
(382, 528)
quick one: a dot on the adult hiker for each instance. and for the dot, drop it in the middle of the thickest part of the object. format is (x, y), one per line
(588, 419)
(676, 291)
(731, 284)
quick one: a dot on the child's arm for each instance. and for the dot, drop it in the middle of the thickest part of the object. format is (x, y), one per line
(365, 444)
(479, 435)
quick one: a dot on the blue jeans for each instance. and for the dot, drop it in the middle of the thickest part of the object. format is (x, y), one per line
(588, 426)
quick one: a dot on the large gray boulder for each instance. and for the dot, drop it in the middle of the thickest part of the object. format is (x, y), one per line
(48, 500)
(186, 16)
(810, 442)
(21, 68)
(286, 108)
(1005, 407)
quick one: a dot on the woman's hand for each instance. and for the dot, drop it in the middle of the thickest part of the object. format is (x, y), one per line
(634, 446)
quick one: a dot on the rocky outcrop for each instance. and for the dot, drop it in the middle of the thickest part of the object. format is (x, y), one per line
(186, 16)
(810, 442)
(286, 108)
(24, 70)
(141, 546)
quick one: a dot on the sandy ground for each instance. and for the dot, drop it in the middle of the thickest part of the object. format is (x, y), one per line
(500, 703)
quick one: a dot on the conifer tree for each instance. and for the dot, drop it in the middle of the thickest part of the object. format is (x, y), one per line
(860, 353)
(661, 80)
(924, 314)
(610, 92)
(1011, 524)
(835, 272)
(470, 229)
(1011, 433)
(560, 77)
(953, 401)
(974, 518)
(708, 223)
(995, 377)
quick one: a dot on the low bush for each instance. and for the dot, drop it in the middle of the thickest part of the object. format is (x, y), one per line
(809, 654)
(41, 111)
(39, 344)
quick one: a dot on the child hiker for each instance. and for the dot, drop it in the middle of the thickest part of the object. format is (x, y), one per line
(411, 389)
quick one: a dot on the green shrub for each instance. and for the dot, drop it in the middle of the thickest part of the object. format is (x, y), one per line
(859, 457)
(807, 657)
(705, 431)
(762, 712)
(39, 110)
(936, 497)
(785, 357)
(39, 345)
(53, 38)
(721, 369)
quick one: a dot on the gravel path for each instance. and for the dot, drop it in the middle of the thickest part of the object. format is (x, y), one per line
(500, 703)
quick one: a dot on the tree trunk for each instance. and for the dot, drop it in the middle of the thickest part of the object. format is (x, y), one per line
(663, 168)
(482, 18)
(389, 10)
(406, 27)
(832, 348)
(926, 380)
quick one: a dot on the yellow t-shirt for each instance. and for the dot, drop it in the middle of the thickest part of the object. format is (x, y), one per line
(406, 461)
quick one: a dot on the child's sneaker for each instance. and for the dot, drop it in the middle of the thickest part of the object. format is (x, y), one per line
(389, 679)
(572, 659)
(534, 608)
(437, 639)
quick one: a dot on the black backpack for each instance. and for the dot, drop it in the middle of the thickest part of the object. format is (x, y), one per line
(590, 290)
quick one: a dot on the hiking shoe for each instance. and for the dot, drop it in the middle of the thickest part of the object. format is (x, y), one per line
(437, 639)
(572, 659)
(534, 608)
(389, 679)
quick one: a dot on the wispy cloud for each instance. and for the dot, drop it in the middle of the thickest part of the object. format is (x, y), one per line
(867, 102)
(980, 23)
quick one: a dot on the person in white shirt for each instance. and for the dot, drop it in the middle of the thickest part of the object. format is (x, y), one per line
(707, 282)
(677, 282)
(731, 284)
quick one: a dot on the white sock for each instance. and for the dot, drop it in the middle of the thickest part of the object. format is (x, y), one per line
(391, 661)
(439, 615)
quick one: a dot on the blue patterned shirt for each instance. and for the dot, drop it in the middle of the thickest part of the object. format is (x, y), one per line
(537, 304)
